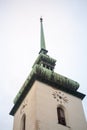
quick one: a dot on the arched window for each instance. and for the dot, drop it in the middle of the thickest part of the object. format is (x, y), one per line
(61, 116)
(23, 122)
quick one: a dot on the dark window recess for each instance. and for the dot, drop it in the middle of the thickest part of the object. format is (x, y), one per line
(43, 65)
(61, 116)
(23, 122)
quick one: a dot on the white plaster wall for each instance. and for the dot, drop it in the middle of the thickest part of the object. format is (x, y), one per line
(28, 107)
(40, 108)
(47, 110)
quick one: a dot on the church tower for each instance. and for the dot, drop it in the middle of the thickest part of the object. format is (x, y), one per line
(48, 100)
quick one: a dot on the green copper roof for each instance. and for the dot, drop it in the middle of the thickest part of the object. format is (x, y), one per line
(49, 77)
(45, 60)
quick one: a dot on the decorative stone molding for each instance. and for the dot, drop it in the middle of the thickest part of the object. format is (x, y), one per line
(60, 97)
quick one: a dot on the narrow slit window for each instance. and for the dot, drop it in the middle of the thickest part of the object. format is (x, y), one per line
(61, 116)
(23, 122)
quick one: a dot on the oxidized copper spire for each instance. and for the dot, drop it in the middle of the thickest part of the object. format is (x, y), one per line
(42, 39)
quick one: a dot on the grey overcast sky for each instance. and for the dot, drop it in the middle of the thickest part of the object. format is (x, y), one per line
(65, 28)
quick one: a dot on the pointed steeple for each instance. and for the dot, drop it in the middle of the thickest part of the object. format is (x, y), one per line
(42, 35)
(42, 39)
(43, 71)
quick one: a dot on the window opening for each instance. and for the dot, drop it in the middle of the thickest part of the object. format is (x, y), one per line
(23, 122)
(61, 116)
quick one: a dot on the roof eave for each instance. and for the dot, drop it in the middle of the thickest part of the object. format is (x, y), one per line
(49, 82)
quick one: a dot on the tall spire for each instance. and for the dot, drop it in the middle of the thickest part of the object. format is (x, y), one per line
(42, 39)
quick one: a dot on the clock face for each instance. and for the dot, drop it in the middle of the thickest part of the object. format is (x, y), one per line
(60, 96)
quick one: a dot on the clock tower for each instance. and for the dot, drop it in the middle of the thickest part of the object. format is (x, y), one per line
(48, 100)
